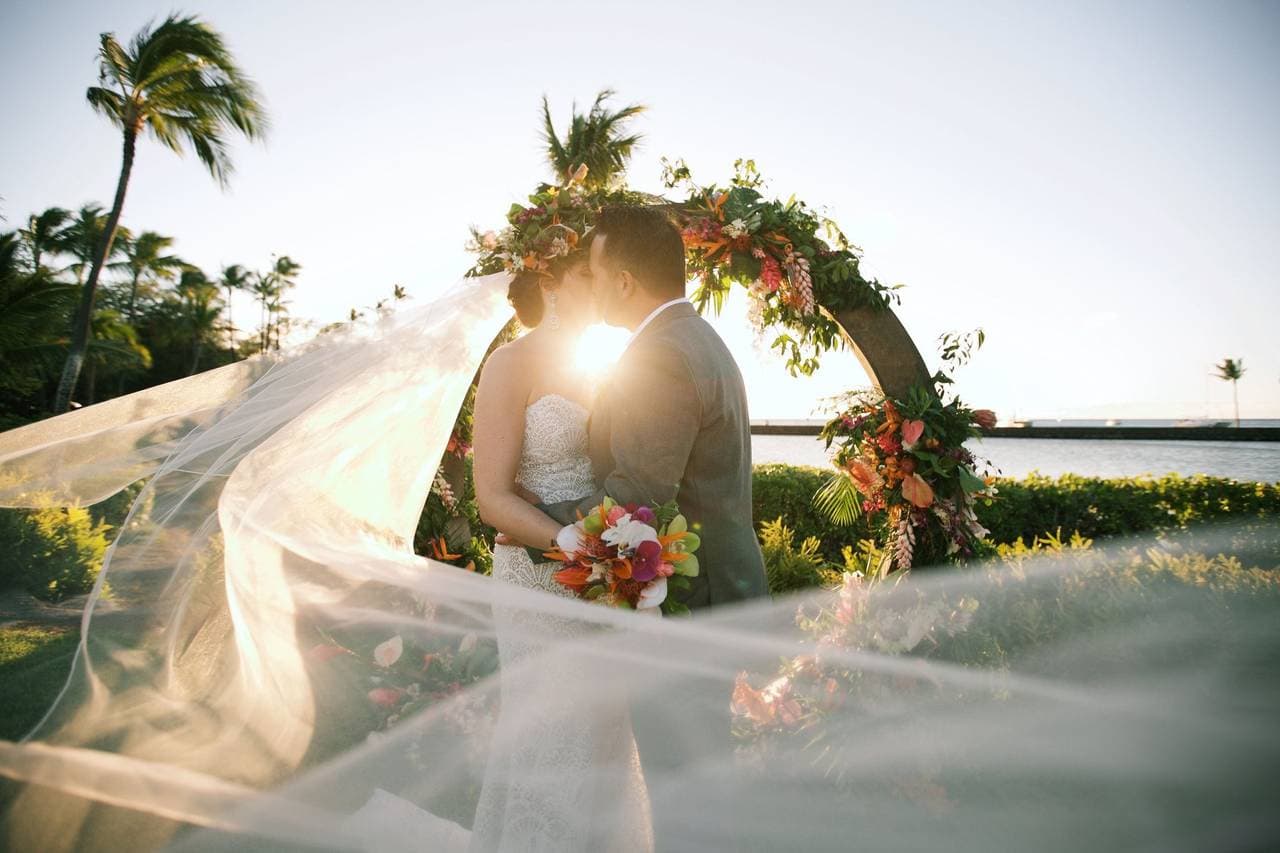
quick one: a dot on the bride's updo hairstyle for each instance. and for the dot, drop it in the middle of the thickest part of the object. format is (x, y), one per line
(525, 291)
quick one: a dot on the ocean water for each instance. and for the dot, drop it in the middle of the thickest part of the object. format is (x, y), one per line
(1017, 457)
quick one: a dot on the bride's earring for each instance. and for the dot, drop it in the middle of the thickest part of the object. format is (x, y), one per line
(553, 320)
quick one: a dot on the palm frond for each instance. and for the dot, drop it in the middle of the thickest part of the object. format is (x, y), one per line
(838, 500)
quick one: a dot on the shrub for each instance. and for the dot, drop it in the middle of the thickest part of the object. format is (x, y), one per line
(1025, 509)
(1110, 507)
(788, 569)
(52, 552)
(787, 491)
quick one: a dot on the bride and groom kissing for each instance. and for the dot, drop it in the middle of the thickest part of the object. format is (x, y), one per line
(669, 422)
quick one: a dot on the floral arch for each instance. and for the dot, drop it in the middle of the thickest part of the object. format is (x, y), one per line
(900, 457)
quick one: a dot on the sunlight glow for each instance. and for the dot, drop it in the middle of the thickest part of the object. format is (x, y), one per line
(598, 348)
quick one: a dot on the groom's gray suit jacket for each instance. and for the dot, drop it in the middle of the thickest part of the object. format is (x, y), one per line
(671, 422)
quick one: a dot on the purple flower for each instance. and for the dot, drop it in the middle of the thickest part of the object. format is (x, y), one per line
(644, 566)
(644, 515)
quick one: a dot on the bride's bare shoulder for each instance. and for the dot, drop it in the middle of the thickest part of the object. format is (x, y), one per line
(508, 365)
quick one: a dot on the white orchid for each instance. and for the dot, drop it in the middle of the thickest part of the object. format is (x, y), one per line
(735, 229)
(628, 534)
(653, 594)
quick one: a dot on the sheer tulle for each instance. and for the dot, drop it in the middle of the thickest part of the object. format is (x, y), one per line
(265, 662)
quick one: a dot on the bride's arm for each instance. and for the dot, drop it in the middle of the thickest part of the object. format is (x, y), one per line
(497, 439)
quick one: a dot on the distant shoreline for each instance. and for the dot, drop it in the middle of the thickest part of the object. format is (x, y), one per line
(1093, 433)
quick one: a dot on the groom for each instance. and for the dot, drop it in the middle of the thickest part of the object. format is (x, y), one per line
(671, 423)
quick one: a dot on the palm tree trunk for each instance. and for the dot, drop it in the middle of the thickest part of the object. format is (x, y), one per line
(231, 326)
(133, 294)
(195, 357)
(1235, 397)
(84, 312)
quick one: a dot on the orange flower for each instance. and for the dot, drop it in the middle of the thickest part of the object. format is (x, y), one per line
(574, 577)
(864, 477)
(440, 550)
(917, 491)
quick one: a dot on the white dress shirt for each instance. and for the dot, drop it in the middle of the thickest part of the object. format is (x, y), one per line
(653, 314)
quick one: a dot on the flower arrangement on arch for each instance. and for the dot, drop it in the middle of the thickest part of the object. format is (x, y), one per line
(796, 277)
(903, 463)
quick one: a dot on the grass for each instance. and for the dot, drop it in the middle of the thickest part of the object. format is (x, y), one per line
(34, 663)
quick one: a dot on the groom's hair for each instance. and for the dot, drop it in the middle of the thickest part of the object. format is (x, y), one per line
(643, 241)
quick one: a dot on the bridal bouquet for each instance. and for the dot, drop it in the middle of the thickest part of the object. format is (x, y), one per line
(631, 556)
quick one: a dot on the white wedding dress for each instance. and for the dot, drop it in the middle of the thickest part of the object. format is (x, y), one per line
(520, 808)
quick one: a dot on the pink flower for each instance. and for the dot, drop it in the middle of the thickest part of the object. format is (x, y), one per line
(889, 443)
(615, 513)
(666, 570)
(911, 432)
(325, 652)
(387, 697)
(644, 515)
(389, 652)
(771, 274)
(648, 557)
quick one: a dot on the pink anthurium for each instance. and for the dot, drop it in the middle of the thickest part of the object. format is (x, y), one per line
(911, 432)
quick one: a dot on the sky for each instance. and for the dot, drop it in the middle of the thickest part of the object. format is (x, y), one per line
(1096, 185)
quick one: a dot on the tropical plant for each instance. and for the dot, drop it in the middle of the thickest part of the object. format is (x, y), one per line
(596, 140)
(181, 82)
(1231, 370)
(81, 238)
(43, 233)
(199, 313)
(234, 277)
(283, 273)
(114, 344)
(147, 265)
(33, 312)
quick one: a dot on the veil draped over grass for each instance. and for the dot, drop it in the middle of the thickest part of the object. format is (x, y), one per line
(265, 661)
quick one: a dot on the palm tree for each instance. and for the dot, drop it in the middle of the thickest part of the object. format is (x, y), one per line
(263, 287)
(114, 343)
(44, 233)
(282, 274)
(1231, 370)
(147, 265)
(200, 311)
(33, 313)
(81, 238)
(180, 82)
(595, 140)
(234, 277)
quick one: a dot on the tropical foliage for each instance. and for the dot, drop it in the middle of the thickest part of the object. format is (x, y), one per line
(180, 83)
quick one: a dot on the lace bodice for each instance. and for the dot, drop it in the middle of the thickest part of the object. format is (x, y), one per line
(554, 464)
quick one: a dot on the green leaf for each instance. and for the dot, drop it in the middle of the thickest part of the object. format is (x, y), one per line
(838, 500)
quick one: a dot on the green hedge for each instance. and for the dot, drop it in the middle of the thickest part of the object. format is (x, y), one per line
(55, 553)
(1026, 508)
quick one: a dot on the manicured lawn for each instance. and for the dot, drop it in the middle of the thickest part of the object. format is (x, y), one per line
(34, 662)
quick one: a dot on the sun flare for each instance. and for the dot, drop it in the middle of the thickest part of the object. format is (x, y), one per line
(598, 348)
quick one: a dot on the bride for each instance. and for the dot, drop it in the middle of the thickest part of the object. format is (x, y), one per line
(532, 411)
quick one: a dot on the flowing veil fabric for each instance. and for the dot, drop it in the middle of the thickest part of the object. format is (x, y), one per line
(266, 663)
